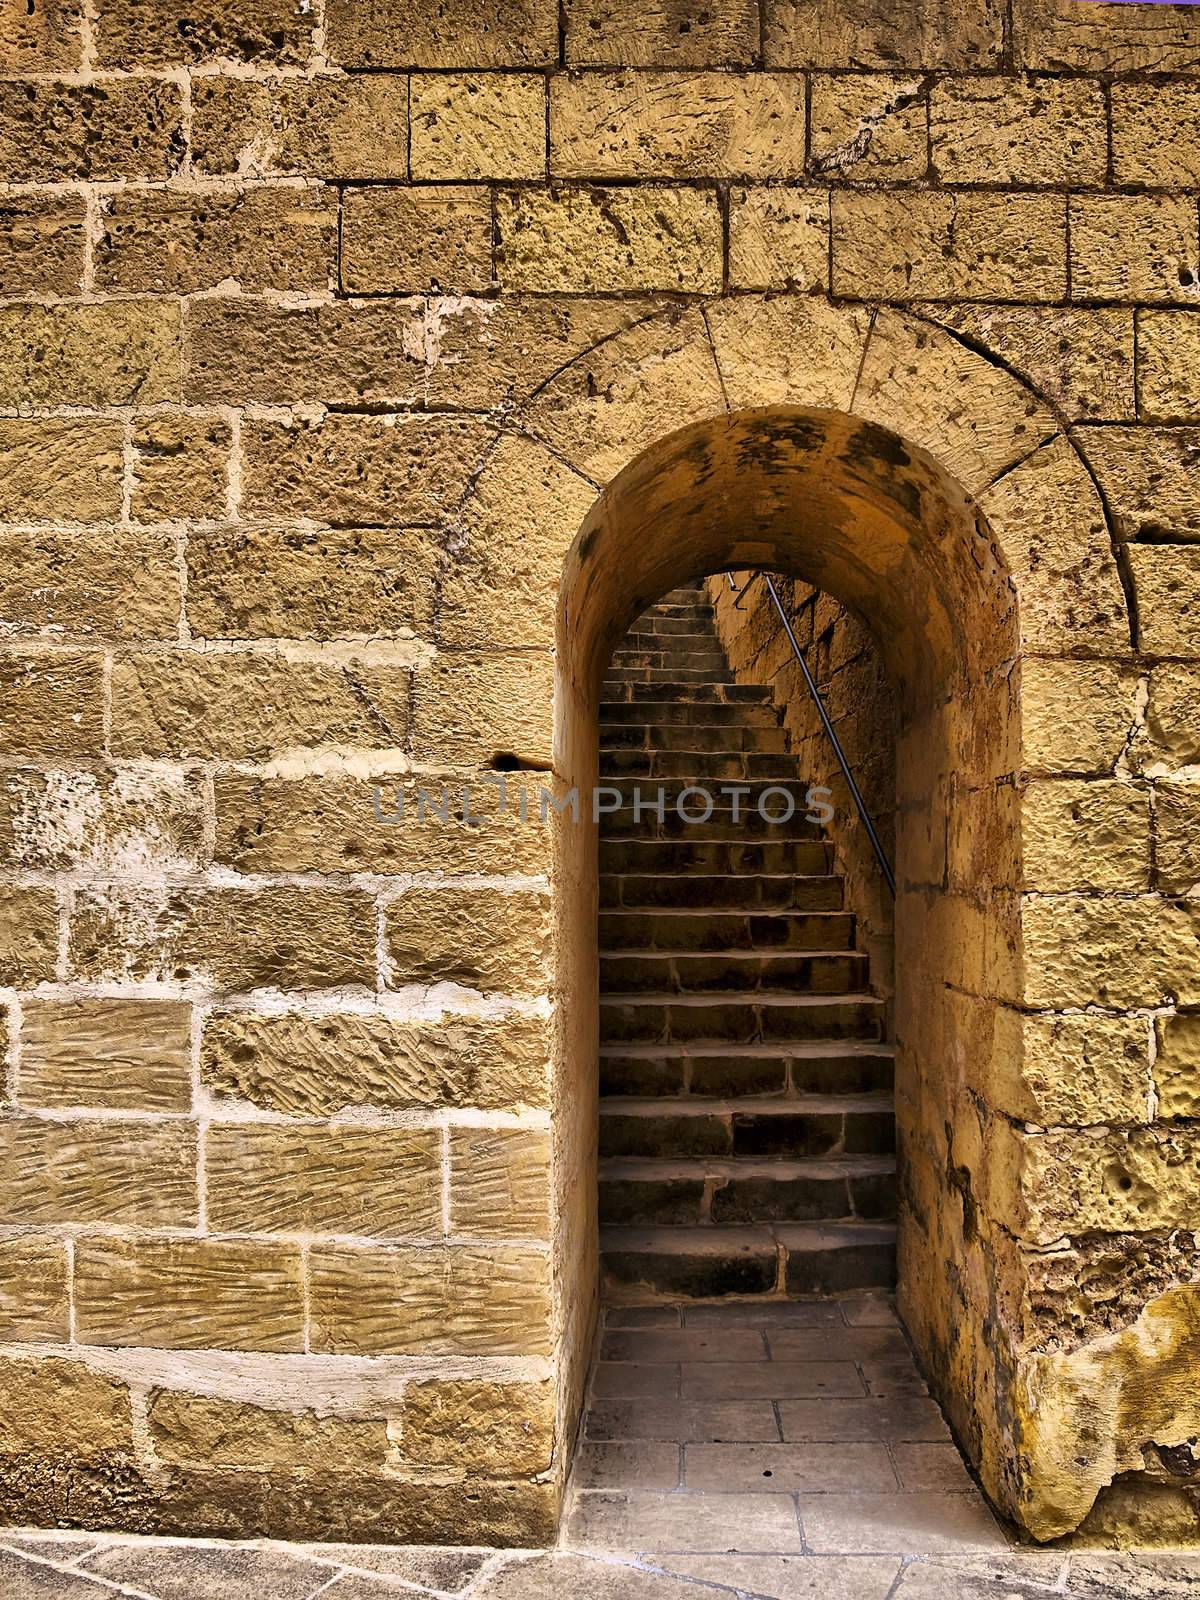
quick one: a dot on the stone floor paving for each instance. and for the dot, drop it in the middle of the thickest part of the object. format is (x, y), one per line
(772, 1452)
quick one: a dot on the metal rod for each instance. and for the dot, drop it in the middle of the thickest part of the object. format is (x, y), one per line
(885, 865)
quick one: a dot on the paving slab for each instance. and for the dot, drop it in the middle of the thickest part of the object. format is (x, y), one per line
(699, 1421)
(910, 1524)
(209, 1572)
(792, 1577)
(768, 1380)
(647, 1465)
(905, 1418)
(787, 1468)
(699, 1523)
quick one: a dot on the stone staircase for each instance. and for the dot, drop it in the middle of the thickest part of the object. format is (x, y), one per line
(746, 1122)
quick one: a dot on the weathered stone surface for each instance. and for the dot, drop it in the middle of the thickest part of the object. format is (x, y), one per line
(480, 938)
(1148, 479)
(1026, 131)
(661, 33)
(347, 127)
(120, 353)
(189, 1294)
(1055, 35)
(56, 132)
(163, 33)
(126, 822)
(1168, 360)
(114, 585)
(1086, 835)
(61, 1408)
(1151, 133)
(500, 1183)
(934, 33)
(181, 468)
(1166, 580)
(1177, 837)
(121, 1055)
(787, 349)
(41, 244)
(924, 245)
(56, 468)
(305, 1065)
(242, 350)
(34, 1304)
(1080, 360)
(1081, 1070)
(131, 1173)
(1169, 738)
(40, 36)
(259, 238)
(51, 705)
(225, 939)
(188, 1428)
(576, 241)
(779, 238)
(484, 711)
(677, 125)
(478, 125)
(1102, 1180)
(350, 470)
(1076, 715)
(494, 1428)
(462, 34)
(415, 240)
(242, 705)
(468, 1299)
(1177, 1066)
(1098, 1285)
(869, 126)
(28, 935)
(1134, 247)
(1109, 952)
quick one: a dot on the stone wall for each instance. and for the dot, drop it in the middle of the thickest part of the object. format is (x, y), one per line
(325, 325)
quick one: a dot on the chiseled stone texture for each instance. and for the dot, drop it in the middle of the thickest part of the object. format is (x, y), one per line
(335, 127)
(481, 938)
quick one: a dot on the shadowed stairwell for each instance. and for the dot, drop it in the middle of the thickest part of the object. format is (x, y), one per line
(747, 1133)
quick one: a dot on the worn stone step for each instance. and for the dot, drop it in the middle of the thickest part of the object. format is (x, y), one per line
(787, 1128)
(760, 891)
(698, 766)
(700, 929)
(836, 1258)
(757, 826)
(721, 856)
(653, 633)
(822, 1066)
(706, 739)
(680, 712)
(671, 972)
(672, 1193)
(729, 1019)
(693, 694)
(772, 1258)
(656, 654)
(698, 621)
(679, 673)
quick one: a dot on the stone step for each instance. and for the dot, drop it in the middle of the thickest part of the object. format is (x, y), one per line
(653, 656)
(698, 766)
(653, 633)
(729, 1019)
(681, 675)
(677, 712)
(667, 973)
(671, 1193)
(727, 1071)
(787, 1128)
(682, 740)
(697, 929)
(717, 855)
(760, 891)
(693, 694)
(758, 829)
(696, 620)
(771, 1259)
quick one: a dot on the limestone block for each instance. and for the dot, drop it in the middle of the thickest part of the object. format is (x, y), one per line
(1050, 523)
(119, 1055)
(381, 1183)
(1109, 952)
(116, 823)
(51, 705)
(1080, 360)
(501, 586)
(1056, 35)
(866, 33)
(41, 37)
(1076, 715)
(105, 584)
(500, 1183)
(157, 242)
(347, 127)
(1134, 247)
(54, 1408)
(189, 1428)
(305, 1065)
(415, 240)
(467, 1299)
(241, 706)
(56, 132)
(1177, 837)
(34, 1307)
(1153, 133)
(625, 394)
(661, 33)
(251, 582)
(1081, 1070)
(1026, 131)
(974, 419)
(1177, 1066)
(120, 1173)
(189, 1294)
(41, 244)
(490, 939)
(1149, 480)
(677, 125)
(779, 238)
(226, 939)
(1166, 580)
(460, 34)
(575, 241)
(54, 468)
(1168, 366)
(494, 1428)
(349, 469)
(1085, 835)
(1170, 738)
(480, 711)
(28, 935)
(478, 125)
(181, 469)
(1099, 1285)
(928, 245)
(869, 126)
(165, 33)
(787, 350)
(1102, 1181)
(119, 353)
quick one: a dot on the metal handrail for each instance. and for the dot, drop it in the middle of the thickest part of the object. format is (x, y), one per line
(885, 865)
